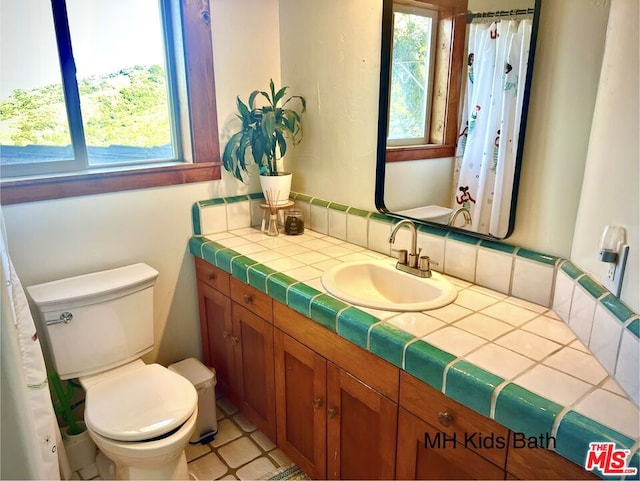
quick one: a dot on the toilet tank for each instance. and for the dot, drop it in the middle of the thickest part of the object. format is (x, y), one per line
(98, 321)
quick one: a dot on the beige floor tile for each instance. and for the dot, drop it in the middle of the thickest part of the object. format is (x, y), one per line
(257, 469)
(263, 441)
(239, 452)
(244, 423)
(227, 431)
(194, 451)
(280, 458)
(208, 467)
(226, 406)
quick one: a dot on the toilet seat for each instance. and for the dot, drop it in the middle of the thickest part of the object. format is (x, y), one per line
(140, 404)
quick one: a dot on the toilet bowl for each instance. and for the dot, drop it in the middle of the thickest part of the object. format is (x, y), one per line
(97, 326)
(141, 417)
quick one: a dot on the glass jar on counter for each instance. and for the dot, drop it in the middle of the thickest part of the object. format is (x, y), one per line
(293, 222)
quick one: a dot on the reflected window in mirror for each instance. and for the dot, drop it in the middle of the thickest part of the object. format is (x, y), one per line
(424, 86)
(412, 66)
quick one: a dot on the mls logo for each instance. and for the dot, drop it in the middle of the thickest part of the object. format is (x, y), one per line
(608, 459)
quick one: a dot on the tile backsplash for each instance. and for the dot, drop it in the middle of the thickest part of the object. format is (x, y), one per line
(599, 319)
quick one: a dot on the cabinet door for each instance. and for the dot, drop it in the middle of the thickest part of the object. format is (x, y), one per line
(253, 353)
(301, 382)
(361, 429)
(216, 330)
(440, 458)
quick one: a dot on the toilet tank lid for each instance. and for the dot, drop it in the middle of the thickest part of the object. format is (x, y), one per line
(95, 284)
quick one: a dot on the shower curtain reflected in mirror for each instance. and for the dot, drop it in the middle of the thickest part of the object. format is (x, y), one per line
(490, 126)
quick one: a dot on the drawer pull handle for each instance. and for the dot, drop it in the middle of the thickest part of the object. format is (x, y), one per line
(212, 276)
(248, 298)
(445, 418)
(235, 340)
(331, 413)
(317, 402)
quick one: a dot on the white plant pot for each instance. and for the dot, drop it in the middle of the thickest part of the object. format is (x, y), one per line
(276, 187)
(80, 448)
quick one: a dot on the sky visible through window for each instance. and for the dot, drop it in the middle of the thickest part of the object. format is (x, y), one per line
(118, 49)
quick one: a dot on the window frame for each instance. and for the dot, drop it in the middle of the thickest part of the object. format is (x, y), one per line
(196, 45)
(446, 83)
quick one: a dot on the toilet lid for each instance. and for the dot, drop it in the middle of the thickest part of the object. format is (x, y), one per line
(141, 404)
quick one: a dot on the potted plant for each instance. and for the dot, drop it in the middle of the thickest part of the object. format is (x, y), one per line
(265, 131)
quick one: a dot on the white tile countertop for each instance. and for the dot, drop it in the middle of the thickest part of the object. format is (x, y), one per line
(522, 343)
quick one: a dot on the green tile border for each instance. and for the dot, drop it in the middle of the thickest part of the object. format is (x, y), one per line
(325, 309)
(459, 236)
(258, 274)
(498, 246)
(319, 202)
(523, 411)
(433, 230)
(592, 287)
(277, 286)
(382, 217)
(240, 266)
(427, 363)
(299, 298)
(471, 386)
(195, 219)
(388, 342)
(537, 256)
(236, 198)
(358, 212)
(576, 431)
(256, 196)
(634, 327)
(224, 257)
(571, 270)
(340, 207)
(617, 308)
(208, 251)
(304, 198)
(210, 202)
(354, 325)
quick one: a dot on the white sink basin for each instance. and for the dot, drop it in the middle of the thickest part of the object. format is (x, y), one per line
(379, 285)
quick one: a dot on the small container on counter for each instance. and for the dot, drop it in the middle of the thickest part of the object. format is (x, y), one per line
(294, 222)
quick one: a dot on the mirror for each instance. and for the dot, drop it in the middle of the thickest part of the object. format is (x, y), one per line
(470, 183)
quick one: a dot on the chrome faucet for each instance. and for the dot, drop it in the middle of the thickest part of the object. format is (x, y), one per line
(464, 210)
(411, 262)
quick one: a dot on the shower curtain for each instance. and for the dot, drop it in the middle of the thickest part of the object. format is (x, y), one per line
(490, 126)
(30, 434)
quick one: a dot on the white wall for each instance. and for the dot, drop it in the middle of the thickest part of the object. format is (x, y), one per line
(610, 189)
(330, 53)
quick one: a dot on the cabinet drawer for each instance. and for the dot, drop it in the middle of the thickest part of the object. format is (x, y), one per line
(474, 431)
(251, 298)
(212, 276)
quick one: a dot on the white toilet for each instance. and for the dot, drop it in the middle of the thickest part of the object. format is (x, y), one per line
(97, 326)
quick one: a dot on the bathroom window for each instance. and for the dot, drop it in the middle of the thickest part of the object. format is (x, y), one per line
(412, 66)
(91, 93)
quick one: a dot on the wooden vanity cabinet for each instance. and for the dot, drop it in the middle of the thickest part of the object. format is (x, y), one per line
(215, 325)
(301, 396)
(237, 340)
(330, 422)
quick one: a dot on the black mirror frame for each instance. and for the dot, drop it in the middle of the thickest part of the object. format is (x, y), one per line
(383, 122)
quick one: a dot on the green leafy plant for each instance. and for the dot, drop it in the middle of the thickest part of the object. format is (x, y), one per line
(265, 131)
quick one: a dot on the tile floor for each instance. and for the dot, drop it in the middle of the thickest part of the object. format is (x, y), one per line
(239, 450)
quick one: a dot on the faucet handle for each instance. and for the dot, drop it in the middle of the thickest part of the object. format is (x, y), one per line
(402, 255)
(425, 263)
